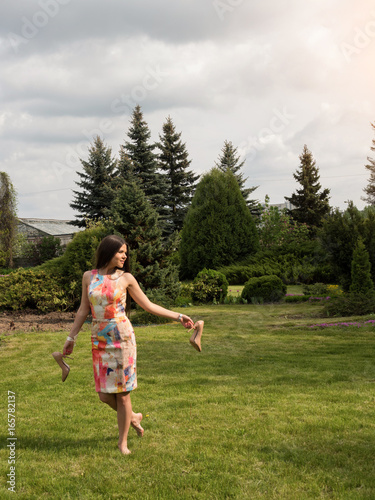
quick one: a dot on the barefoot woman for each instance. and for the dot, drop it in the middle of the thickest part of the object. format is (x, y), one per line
(114, 351)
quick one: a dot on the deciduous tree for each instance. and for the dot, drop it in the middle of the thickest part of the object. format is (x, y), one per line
(8, 206)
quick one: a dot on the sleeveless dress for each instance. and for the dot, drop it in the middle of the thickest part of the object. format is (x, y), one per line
(114, 349)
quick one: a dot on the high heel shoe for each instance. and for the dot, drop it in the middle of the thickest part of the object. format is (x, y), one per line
(64, 366)
(195, 339)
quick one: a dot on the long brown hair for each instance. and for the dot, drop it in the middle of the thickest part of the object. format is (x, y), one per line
(107, 249)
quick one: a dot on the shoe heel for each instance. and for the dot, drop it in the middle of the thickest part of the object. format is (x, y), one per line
(195, 339)
(65, 368)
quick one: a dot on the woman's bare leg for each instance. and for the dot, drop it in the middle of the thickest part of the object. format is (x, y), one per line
(110, 400)
(124, 417)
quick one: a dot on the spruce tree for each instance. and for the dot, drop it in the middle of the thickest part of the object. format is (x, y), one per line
(136, 220)
(218, 229)
(230, 160)
(97, 184)
(8, 205)
(370, 188)
(174, 162)
(309, 205)
(362, 283)
(140, 152)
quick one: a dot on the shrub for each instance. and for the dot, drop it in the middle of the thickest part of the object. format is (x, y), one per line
(297, 298)
(266, 288)
(209, 286)
(350, 305)
(33, 289)
(316, 290)
(43, 249)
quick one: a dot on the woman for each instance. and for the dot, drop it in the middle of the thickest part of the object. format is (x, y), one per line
(106, 290)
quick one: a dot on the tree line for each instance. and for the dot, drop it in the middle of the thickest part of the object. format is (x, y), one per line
(177, 222)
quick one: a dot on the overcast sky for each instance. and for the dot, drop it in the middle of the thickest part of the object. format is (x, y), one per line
(269, 76)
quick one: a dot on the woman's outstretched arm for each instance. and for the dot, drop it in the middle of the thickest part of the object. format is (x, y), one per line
(142, 300)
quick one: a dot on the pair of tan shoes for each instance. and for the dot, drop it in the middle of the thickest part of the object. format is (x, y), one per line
(195, 339)
(65, 368)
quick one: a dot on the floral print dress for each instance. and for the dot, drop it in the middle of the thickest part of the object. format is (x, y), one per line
(114, 349)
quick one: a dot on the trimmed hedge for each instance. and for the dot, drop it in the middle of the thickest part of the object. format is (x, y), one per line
(290, 268)
(209, 286)
(265, 289)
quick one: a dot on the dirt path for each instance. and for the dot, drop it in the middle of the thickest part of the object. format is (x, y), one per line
(29, 321)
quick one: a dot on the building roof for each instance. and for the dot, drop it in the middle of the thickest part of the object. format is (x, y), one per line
(52, 227)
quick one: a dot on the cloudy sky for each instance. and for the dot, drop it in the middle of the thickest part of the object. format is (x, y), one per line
(269, 76)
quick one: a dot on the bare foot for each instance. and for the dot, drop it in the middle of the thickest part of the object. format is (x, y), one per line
(124, 450)
(136, 423)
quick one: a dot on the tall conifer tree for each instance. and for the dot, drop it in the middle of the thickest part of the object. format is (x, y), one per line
(370, 188)
(97, 183)
(310, 204)
(133, 216)
(174, 161)
(143, 160)
(230, 160)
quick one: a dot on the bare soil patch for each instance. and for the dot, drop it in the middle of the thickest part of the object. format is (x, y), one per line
(30, 321)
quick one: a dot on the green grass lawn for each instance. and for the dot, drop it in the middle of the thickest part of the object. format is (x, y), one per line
(270, 409)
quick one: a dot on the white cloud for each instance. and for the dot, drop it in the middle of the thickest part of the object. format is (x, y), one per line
(231, 76)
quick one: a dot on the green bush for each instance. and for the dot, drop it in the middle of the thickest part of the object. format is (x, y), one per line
(264, 289)
(33, 289)
(297, 298)
(209, 286)
(42, 250)
(291, 268)
(184, 298)
(350, 305)
(316, 290)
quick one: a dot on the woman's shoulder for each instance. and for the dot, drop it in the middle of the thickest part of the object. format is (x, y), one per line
(128, 277)
(87, 274)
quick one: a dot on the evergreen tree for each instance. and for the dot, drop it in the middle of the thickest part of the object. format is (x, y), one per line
(97, 185)
(230, 160)
(361, 271)
(136, 220)
(219, 228)
(370, 188)
(144, 164)
(339, 235)
(181, 182)
(8, 205)
(309, 205)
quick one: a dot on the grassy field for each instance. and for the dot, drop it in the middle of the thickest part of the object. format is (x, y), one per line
(271, 409)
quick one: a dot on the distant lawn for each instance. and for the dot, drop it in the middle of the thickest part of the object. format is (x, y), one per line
(271, 409)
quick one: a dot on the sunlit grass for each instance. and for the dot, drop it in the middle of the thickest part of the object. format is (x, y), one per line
(269, 409)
